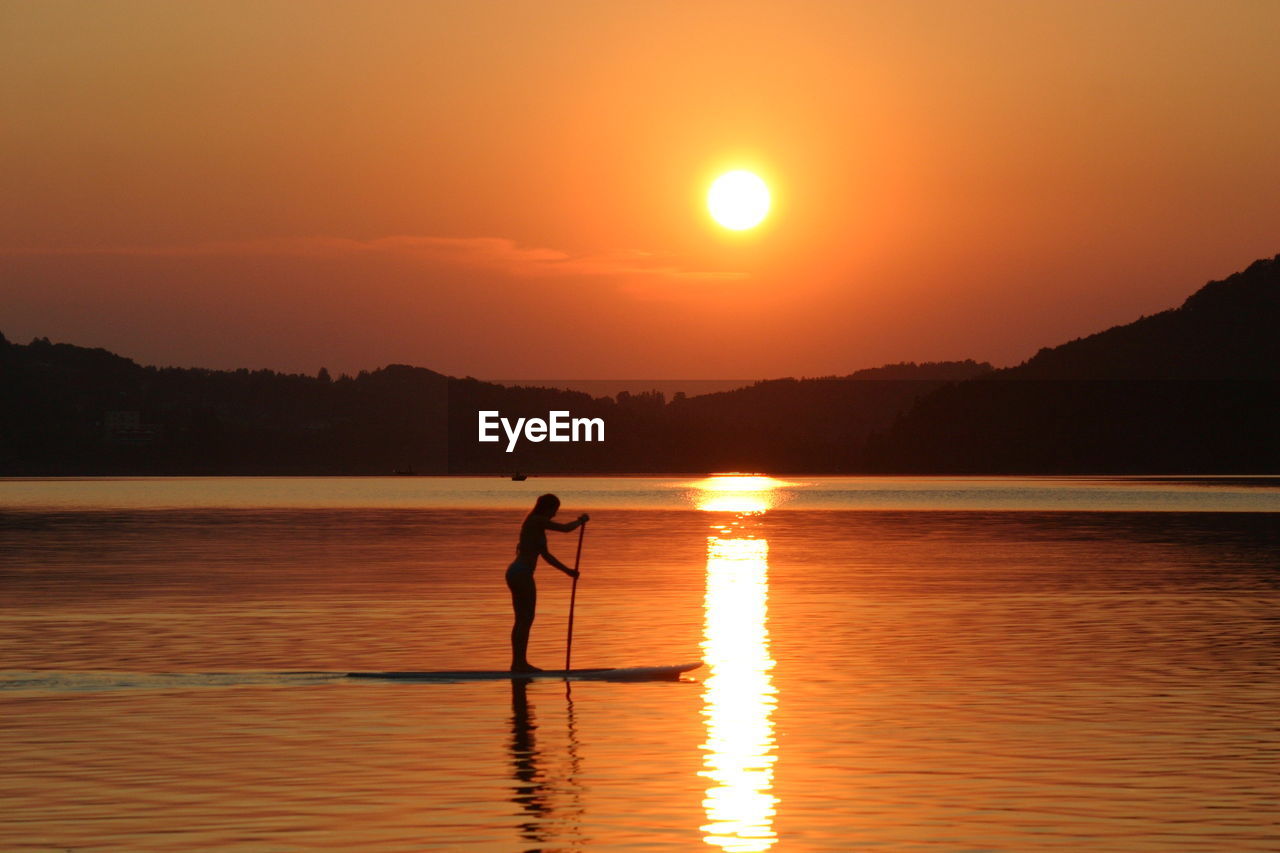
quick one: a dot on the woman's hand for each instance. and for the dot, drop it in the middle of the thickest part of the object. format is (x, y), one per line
(573, 573)
(584, 518)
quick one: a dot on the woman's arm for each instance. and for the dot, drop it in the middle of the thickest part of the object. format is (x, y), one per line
(572, 525)
(550, 558)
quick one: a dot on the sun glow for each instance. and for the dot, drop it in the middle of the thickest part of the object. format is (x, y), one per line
(738, 200)
(737, 493)
(738, 483)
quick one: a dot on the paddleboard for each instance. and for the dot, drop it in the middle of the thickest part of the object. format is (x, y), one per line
(629, 673)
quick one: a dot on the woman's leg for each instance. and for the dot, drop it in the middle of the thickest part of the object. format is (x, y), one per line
(524, 600)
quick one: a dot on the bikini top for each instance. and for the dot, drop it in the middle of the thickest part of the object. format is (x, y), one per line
(533, 539)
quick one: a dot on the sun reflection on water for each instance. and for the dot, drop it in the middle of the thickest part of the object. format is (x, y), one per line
(737, 493)
(738, 695)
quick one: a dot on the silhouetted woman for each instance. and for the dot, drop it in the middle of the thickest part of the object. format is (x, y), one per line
(524, 595)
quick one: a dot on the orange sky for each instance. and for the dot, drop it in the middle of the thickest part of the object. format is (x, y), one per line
(515, 189)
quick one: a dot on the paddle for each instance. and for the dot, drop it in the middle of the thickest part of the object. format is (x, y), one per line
(573, 596)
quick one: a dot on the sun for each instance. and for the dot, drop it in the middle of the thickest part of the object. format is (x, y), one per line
(738, 200)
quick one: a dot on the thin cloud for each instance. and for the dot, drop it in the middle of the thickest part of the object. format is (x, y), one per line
(496, 253)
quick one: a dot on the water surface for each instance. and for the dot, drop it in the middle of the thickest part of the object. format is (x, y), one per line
(894, 663)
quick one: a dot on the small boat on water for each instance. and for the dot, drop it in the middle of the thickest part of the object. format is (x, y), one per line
(518, 477)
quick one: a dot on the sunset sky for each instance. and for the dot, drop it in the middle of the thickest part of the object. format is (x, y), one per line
(517, 189)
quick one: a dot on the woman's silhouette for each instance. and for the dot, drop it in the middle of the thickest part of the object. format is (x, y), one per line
(524, 595)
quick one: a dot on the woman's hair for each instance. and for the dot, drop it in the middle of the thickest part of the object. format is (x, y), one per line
(547, 505)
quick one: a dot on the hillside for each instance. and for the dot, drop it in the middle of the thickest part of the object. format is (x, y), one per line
(1191, 389)
(68, 410)
(1225, 330)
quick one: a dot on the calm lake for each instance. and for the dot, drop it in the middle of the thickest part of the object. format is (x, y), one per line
(967, 664)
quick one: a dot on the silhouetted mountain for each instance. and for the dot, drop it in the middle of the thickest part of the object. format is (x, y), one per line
(71, 410)
(809, 425)
(1225, 330)
(1192, 389)
(929, 371)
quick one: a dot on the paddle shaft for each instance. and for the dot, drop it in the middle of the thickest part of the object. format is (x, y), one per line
(573, 596)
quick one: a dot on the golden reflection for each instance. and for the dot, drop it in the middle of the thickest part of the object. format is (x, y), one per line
(745, 503)
(738, 483)
(738, 695)
(739, 493)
